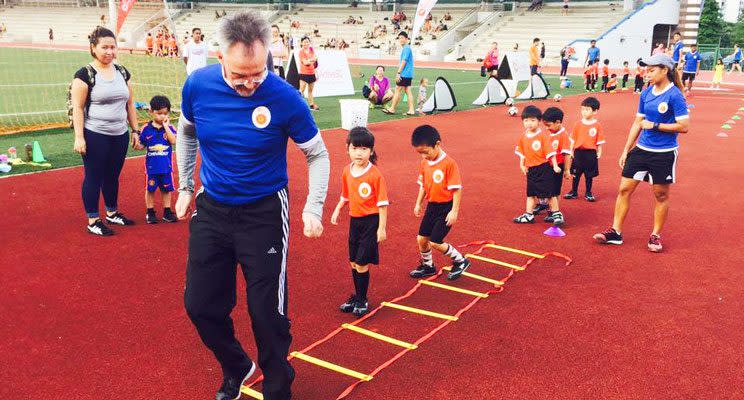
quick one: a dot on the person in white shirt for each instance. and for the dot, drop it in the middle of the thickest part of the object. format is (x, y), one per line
(278, 50)
(195, 52)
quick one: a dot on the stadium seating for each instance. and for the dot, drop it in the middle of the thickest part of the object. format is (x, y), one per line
(31, 24)
(555, 30)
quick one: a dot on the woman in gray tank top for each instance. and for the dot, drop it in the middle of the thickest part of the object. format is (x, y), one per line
(102, 107)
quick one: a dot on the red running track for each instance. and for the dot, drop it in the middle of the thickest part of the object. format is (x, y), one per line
(88, 318)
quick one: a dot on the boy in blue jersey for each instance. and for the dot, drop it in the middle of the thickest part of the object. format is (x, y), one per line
(736, 63)
(677, 49)
(692, 64)
(158, 137)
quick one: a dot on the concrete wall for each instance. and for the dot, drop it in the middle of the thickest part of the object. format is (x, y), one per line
(632, 37)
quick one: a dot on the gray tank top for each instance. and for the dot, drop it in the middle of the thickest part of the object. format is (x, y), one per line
(107, 114)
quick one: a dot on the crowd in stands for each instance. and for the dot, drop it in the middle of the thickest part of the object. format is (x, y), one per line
(354, 21)
(218, 15)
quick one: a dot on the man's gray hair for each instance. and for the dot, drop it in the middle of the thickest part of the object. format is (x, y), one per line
(243, 27)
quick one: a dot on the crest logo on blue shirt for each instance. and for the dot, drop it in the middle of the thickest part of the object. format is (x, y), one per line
(663, 107)
(261, 117)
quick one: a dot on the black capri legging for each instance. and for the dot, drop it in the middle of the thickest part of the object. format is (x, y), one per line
(103, 160)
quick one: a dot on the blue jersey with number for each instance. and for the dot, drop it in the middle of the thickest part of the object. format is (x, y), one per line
(691, 62)
(243, 140)
(665, 107)
(158, 158)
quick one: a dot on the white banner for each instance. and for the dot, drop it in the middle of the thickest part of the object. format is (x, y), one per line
(333, 74)
(422, 10)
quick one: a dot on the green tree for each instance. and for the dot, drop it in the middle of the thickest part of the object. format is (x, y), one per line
(712, 28)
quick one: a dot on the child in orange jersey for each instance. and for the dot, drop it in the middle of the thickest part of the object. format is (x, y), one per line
(587, 139)
(626, 74)
(612, 83)
(538, 163)
(441, 185)
(605, 74)
(363, 187)
(639, 77)
(560, 142)
(588, 77)
(595, 75)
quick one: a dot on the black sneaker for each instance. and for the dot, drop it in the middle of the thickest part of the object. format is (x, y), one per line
(422, 271)
(169, 216)
(361, 308)
(98, 228)
(549, 217)
(558, 218)
(590, 198)
(571, 196)
(230, 389)
(119, 219)
(540, 208)
(525, 218)
(151, 218)
(458, 269)
(609, 236)
(349, 305)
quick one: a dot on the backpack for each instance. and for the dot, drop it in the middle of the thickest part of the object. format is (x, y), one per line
(90, 80)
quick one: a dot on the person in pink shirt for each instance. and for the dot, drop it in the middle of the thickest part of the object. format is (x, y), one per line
(491, 61)
(380, 87)
(659, 49)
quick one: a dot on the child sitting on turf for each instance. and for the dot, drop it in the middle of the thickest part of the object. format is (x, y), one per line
(587, 139)
(158, 136)
(612, 83)
(538, 163)
(363, 187)
(440, 183)
(422, 94)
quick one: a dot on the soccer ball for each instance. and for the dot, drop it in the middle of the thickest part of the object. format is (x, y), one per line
(513, 111)
(509, 101)
(557, 97)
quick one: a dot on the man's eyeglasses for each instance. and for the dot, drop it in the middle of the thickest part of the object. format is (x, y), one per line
(245, 82)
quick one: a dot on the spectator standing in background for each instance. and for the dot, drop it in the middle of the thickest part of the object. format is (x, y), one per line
(195, 52)
(592, 54)
(278, 50)
(659, 49)
(51, 36)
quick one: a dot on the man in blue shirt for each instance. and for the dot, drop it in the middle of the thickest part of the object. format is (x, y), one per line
(241, 117)
(692, 64)
(677, 49)
(592, 54)
(736, 63)
(404, 77)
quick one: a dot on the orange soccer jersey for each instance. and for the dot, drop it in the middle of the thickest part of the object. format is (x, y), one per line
(612, 82)
(587, 135)
(626, 71)
(561, 144)
(640, 71)
(366, 193)
(534, 148)
(148, 41)
(605, 71)
(534, 55)
(440, 179)
(595, 69)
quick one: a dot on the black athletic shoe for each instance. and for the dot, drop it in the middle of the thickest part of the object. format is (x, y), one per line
(230, 389)
(540, 208)
(609, 236)
(422, 271)
(169, 216)
(590, 198)
(349, 305)
(571, 196)
(361, 308)
(458, 269)
(151, 218)
(98, 228)
(549, 217)
(119, 219)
